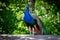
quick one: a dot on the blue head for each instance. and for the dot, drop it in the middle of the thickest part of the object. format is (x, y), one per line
(27, 17)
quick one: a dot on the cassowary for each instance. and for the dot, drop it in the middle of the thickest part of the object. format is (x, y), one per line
(32, 21)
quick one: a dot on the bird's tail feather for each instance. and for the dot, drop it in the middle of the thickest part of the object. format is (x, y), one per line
(44, 28)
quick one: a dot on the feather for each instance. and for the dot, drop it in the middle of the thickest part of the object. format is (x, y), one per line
(41, 24)
(33, 21)
(27, 17)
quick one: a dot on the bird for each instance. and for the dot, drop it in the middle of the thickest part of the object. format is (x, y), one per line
(32, 21)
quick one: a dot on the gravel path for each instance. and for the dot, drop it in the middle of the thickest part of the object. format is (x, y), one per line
(29, 37)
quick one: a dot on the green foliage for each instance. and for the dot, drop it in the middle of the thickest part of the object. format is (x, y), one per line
(11, 19)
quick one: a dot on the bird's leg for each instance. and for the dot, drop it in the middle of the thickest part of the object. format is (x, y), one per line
(30, 29)
(33, 30)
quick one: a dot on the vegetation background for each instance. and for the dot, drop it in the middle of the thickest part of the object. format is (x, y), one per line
(11, 19)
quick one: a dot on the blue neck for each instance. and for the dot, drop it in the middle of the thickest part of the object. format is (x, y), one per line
(27, 17)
